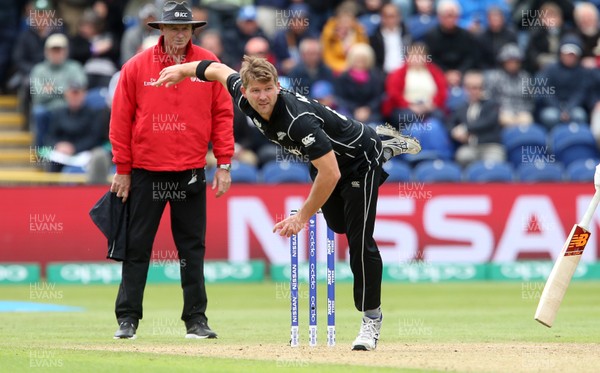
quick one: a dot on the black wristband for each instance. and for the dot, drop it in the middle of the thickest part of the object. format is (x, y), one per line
(201, 69)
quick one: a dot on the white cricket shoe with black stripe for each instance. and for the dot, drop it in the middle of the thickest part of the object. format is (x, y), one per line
(368, 334)
(398, 143)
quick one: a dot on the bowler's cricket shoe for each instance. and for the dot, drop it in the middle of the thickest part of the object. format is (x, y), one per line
(126, 331)
(398, 143)
(200, 330)
(368, 334)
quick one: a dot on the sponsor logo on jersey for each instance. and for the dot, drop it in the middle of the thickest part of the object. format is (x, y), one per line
(294, 151)
(309, 140)
(151, 82)
(280, 135)
(355, 184)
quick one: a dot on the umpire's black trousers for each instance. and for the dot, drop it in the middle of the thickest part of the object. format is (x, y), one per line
(351, 209)
(150, 191)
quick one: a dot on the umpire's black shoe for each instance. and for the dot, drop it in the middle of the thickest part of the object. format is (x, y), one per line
(126, 331)
(200, 330)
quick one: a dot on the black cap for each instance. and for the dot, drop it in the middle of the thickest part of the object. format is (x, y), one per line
(176, 14)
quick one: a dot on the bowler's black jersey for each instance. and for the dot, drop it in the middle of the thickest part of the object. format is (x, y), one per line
(303, 126)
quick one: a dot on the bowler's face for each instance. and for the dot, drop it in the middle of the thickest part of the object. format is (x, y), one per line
(262, 96)
(176, 37)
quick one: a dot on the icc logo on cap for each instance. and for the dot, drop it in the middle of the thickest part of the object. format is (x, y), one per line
(180, 14)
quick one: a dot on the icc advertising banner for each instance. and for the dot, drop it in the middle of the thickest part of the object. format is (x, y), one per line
(436, 223)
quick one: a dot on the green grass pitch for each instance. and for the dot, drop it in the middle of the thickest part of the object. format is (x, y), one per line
(252, 321)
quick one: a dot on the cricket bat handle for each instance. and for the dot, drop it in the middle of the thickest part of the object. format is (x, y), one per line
(589, 213)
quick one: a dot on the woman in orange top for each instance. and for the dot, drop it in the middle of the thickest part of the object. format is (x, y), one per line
(340, 33)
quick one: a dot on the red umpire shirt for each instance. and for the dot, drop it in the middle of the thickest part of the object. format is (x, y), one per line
(160, 130)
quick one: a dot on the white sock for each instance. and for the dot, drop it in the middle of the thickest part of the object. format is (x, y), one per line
(373, 314)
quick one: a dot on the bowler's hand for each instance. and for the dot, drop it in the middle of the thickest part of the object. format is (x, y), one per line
(171, 75)
(221, 181)
(290, 225)
(121, 185)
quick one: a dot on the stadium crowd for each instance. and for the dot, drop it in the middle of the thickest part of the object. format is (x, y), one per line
(474, 80)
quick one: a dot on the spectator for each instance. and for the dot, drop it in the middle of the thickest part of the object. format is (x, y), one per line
(510, 86)
(311, 68)
(48, 82)
(95, 49)
(134, 36)
(259, 46)
(235, 39)
(568, 83)
(339, 34)
(370, 15)
(415, 91)
(76, 128)
(222, 13)
(250, 147)
(269, 14)
(451, 47)
(199, 13)
(588, 30)
(475, 125)
(29, 47)
(358, 89)
(211, 40)
(111, 14)
(545, 37)
(324, 92)
(287, 41)
(496, 36)
(594, 104)
(390, 40)
(320, 12)
(28, 50)
(423, 20)
(526, 13)
(473, 14)
(9, 29)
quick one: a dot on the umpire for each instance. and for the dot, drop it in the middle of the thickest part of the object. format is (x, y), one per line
(160, 139)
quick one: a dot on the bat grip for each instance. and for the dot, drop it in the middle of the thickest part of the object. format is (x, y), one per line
(587, 217)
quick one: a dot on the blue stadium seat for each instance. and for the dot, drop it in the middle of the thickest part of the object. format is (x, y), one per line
(275, 172)
(582, 170)
(240, 173)
(437, 171)
(540, 172)
(434, 139)
(243, 173)
(571, 142)
(209, 174)
(96, 98)
(484, 171)
(398, 171)
(73, 170)
(525, 144)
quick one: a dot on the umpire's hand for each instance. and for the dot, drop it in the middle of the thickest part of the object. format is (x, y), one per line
(121, 185)
(221, 181)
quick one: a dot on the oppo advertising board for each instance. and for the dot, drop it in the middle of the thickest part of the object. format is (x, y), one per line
(445, 223)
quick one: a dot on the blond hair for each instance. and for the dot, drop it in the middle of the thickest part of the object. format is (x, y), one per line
(257, 69)
(361, 50)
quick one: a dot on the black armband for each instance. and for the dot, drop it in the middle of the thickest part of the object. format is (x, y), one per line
(201, 69)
